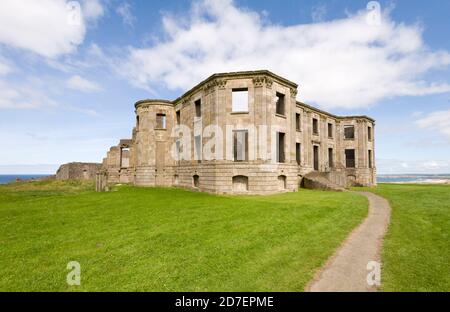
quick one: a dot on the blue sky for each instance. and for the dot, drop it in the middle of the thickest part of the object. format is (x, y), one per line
(67, 91)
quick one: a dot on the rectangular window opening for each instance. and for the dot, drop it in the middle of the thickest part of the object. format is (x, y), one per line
(330, 130)
(280, 147)
(160, 121)
(239, 101)
(349, 132)
(280, 106)
(198, 147)
(330, 158)
(350, 158)
(298, 153)
(297, 122)
(198, 108)
(370, 159)
(240, 145)
(315, 126)
(316, 157)
(178, 116)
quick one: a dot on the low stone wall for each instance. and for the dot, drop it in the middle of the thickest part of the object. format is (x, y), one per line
(78, 171)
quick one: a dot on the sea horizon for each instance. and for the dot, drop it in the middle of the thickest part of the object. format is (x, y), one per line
(423, 178)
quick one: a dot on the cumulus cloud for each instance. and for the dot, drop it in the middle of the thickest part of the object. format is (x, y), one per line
(46, 27)
(27, 95)
(92, 9)
(436, 121)
(124, 11)
(81, 84)
(342, 63)
(5, 67)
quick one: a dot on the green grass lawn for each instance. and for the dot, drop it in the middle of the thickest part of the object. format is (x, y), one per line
(416, 253)
(148, 239)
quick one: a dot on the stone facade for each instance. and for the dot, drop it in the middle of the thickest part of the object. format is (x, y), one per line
(254, 137)
(78, 171)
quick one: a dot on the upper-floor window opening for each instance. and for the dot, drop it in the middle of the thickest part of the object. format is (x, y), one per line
(280, 105)
(239, 100)
(315, 126)
(297, 122)
(178, 117)
(330, 130)
(198, 108)
(349, 132)
(160, 121)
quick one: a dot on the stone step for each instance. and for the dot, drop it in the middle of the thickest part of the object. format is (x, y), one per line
(319, 181)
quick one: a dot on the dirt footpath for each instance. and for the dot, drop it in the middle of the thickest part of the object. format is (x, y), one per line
(353, 263)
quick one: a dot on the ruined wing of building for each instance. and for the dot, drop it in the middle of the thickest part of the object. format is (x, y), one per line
(242, 132)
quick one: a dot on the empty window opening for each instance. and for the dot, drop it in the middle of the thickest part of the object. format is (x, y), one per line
(330, 158)
(198, 147)
(330, 130)
(282, 182)
(160, 121)
(196, 180)
(280, 147)
(198, 108)
(176, 179)
(370, 158)
(178, 117)
(316, 157)
(125, 157)
(298, 157)
(349, 132)
(369, 133)
(297, 122)
(240, 183)
(137, 122)
(280, 106)
(350, 158)
(315, 126)
(239, 101)
(240, 145)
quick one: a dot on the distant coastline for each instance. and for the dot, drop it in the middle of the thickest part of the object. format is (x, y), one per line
(382, 178)
(8, 178)
(414, 178)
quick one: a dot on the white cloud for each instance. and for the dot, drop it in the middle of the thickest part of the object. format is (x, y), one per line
(92, 9)
(395, 166)
(27, 95)
(78, 83)
(42, 93)
(5, 67)
(318, 13)
(436, 121)
(124, 11)
(341, 63)
(43, 26)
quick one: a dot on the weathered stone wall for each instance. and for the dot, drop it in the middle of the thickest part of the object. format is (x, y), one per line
(78, 171)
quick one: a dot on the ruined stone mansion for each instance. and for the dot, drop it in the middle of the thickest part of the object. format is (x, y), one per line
(242, 132)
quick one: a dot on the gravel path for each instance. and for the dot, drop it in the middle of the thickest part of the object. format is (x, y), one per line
(347, 269)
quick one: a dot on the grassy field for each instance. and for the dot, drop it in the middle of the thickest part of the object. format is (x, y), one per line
(416, 253)
(140, 239)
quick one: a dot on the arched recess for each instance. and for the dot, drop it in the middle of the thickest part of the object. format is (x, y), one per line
(240, 183)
